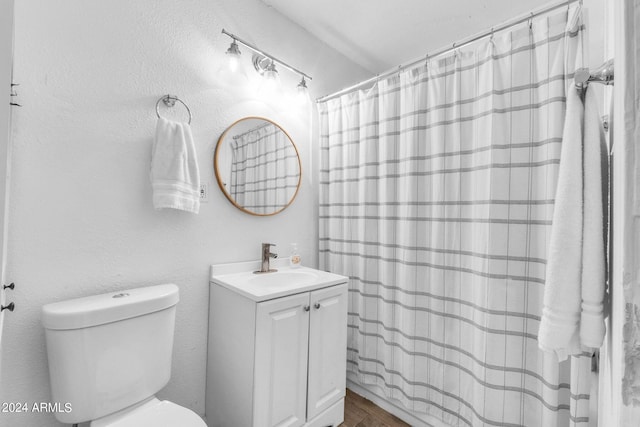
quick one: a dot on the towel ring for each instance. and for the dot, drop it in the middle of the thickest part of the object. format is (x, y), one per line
(170, 102)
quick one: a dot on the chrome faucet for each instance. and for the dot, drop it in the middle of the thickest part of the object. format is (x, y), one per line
(266, 257)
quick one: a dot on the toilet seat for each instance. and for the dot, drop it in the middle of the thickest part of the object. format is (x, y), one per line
(153, 413)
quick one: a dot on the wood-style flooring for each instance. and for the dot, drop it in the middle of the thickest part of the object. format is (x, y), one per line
(360, 412)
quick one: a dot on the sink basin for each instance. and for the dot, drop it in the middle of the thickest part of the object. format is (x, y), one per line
(239, 277)
(280, 279)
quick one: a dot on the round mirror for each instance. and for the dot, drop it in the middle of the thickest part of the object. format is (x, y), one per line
(257, 166)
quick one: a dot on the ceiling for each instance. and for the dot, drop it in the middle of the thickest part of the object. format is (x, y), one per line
(382, 34)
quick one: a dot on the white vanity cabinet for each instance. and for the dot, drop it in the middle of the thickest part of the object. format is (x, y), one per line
(277, 361)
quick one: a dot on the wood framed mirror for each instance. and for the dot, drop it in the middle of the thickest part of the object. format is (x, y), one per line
(257, 166)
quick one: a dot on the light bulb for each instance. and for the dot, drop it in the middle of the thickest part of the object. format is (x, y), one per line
(302, 92)
(271, 73)
(234, 56)
(269, 86)
(271, 80)
(233, 63)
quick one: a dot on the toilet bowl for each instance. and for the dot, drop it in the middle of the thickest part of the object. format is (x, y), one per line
(110, 354)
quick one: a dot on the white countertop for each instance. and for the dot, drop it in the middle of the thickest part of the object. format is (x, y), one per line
(239, 277)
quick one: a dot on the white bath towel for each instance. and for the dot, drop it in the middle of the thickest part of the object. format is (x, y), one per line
(592, 326)
(175, 177)
(559, 327)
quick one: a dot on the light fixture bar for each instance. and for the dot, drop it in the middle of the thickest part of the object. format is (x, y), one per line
(261, 52)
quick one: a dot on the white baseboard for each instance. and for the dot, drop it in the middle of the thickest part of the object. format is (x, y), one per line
(375, 394)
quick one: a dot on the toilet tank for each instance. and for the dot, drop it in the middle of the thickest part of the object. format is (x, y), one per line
(110, 351)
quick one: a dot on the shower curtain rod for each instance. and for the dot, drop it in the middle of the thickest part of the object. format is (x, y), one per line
(493, 30)
(251, 130)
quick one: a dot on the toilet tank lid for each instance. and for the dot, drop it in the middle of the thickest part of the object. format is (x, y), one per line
(111, 307)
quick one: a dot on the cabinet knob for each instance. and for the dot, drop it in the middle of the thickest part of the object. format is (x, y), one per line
(307, 308)
(317, 305)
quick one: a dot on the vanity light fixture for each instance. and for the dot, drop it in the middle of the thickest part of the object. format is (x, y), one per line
(265, 66)
(264, 63)
(234, 55)
(271, 73)
(302, 90)
(302, 93)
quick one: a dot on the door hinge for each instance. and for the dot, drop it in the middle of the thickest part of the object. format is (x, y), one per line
(13, 93)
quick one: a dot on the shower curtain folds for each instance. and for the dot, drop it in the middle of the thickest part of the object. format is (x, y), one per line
(436, 197)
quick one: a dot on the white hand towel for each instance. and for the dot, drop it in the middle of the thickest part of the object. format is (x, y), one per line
(559, 327)
(175, 177)
(592, 326)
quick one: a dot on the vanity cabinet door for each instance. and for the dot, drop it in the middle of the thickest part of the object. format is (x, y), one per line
(282, 332)
(327, 348)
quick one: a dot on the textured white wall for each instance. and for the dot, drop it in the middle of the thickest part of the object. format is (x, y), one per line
(82, 221)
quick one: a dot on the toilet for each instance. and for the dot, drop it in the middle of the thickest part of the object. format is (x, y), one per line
(110, 354)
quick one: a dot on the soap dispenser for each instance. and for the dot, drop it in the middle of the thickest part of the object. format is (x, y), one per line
(294, 259)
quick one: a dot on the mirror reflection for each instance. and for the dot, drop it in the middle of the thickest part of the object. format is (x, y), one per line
(257, 166)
